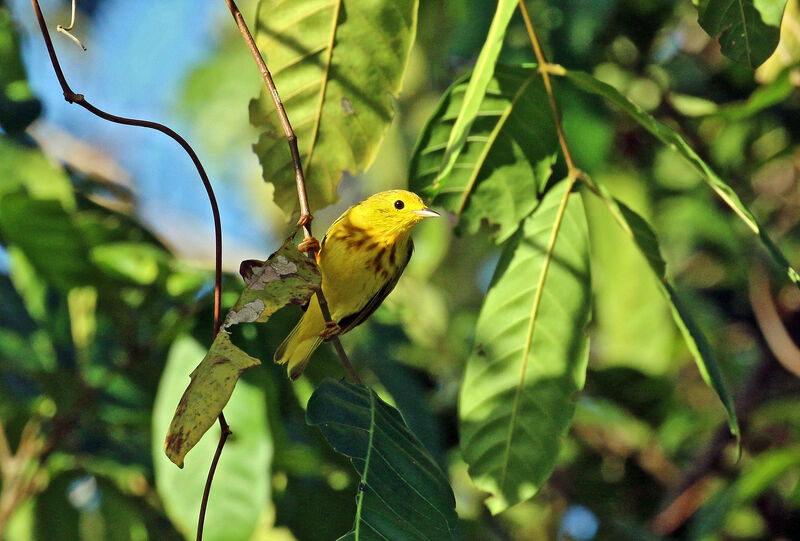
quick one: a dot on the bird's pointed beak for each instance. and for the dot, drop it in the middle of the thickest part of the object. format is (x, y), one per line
(427, 213)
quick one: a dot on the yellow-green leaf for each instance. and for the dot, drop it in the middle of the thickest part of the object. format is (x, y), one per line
(337, 66)
(210, 389)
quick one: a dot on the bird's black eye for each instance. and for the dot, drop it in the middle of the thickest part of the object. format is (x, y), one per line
(399, 204)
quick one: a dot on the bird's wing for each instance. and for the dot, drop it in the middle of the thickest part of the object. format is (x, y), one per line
(353, 320)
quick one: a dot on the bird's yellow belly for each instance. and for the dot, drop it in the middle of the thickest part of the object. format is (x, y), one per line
(347, 280)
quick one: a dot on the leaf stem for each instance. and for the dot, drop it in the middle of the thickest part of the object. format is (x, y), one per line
(546, 69)
(225, 431)
(305, 211)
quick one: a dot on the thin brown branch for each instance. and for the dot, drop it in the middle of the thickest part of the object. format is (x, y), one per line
(72, 97)
(225, 431)
(545, 69)
(79, 99)
(305, 211)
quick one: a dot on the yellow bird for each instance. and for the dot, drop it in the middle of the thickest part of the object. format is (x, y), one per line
(361, 258)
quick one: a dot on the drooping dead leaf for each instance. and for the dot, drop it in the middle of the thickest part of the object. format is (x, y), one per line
(210, 389)
(286, 277)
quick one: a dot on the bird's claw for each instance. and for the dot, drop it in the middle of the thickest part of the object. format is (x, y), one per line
(309, 244)
(332, 329)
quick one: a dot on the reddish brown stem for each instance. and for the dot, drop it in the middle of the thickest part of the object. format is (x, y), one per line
(72, 97)
(225, 431)
(79, 99)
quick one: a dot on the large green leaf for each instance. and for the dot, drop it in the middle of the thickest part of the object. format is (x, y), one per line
(747, 30)
(241, 485)
(645, 239)
(530, 353)
(506, 157)
(670, 137)
(403, 493)
(336, 65)
(475, 90)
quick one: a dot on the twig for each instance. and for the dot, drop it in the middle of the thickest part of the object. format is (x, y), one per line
(72, 97)
(545, 69)
(305, 212)
(65, 29)
(79, 99)
(225, 431)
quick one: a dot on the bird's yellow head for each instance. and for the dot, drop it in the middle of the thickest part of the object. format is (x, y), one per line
(391, 213)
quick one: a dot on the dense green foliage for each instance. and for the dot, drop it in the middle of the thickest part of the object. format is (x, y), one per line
(609, 355)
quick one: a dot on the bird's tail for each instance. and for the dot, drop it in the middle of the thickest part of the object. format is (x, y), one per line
(298, 347)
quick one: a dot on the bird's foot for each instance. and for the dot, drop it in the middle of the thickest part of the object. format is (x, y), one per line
(309, 244)
(331, 329)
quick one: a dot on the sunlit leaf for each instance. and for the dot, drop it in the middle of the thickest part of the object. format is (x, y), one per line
(286, 277)
(747, 30)
(134, 261)
(787, 53)
(645, 239)
(669, 136)
(505, 159)
(211, 386)
(530, 353)
(241, 486)
(336, 67)
(472, 97)
(403, 493)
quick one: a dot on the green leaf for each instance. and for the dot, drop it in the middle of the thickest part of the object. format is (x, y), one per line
(473, 95)
(211, 386)
(403, 493)
(530, 353)
(645, 239)
(46, 235)
(337, 67)
(766, 96)
(787, 53)
(747, 30)
(506, 157)
(27, 167)
(286, 277)
(137, 262)
(669, 136)
(241, 488)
